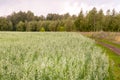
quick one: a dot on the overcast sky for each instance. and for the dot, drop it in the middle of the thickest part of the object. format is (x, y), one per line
(43, 7)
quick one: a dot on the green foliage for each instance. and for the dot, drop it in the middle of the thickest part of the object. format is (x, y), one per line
(5, 25)
(54, 17)
(51, 56)
(97, 21)
(69, 25)
(53, 25)
(32, 26)
(93, 20)
(42, 29)
(20, 26)
(79, 21)
(61, 28)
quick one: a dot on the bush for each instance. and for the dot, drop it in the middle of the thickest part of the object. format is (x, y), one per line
(42, 29)
(61, 29)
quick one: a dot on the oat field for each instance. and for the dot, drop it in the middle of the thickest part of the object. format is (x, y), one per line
(51, 56)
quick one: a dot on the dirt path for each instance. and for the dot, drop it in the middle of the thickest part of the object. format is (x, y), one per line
(114, 49)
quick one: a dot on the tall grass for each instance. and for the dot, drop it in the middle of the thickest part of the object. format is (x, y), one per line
(51, 56)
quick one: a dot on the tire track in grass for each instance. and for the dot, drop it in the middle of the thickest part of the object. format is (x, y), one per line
(114, 49)
(114, 57)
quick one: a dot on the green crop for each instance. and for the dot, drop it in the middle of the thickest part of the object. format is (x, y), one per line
(51, 56)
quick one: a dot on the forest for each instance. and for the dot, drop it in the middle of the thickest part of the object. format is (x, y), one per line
(93, 20)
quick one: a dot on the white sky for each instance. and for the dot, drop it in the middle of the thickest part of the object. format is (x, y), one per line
(43, 7)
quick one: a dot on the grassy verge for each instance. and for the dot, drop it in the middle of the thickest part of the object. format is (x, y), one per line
(109, 42)
(114, 62)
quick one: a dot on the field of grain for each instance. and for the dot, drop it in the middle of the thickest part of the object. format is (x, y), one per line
(51, 56)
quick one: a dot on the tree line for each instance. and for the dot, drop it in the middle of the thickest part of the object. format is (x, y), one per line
(93, 20)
